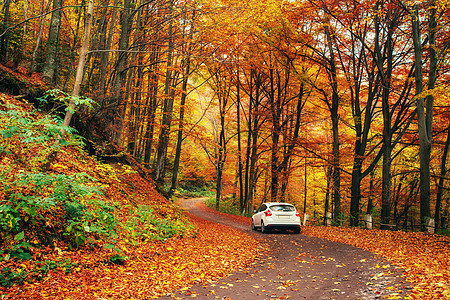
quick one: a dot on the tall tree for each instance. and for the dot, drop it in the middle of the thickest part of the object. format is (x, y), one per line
(81, 62)
(121, 70)
(424, 108)
(48, 72)
(333, 108)
(443, 173)
(160, 168)
(186, 65)
(39, 37)
(4, 40)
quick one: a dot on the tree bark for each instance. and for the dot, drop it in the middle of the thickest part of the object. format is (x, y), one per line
(81, 63)
(424, 114)
(334, 128)
(168, 107)
(150, 116)
(251, 156)
(4, 39)
(104, 56)
(39, 37)
(48, 73)
(440, 187)
(239, 145)
(328, 173)
(275, 109)
(187, 68)
(121, 68)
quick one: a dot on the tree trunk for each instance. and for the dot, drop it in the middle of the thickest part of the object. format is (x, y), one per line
(371, 192)
(284, 169)
(363, 114)
(19, 55)
(98, 43)
(187, 67)
(104, 56)
(251, 127)
(66, 78)
(132, 116)
(384, 61)
(275, 110)
(424, 115)
(4, 39)
(386, 185)
(39, 37)
(168, 107)
(48, 73)
(240, 166)
(150, 117)
(440, 190)
(121, 68)
(81, 63)
(327, 195)
(334, 128)
(355, 191)
(220, 162)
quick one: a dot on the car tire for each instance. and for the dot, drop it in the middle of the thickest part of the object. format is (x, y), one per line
(264, 229)
(253, 225)
(297, 230)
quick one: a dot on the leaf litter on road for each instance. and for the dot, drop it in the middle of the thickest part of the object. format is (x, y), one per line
(424, 258)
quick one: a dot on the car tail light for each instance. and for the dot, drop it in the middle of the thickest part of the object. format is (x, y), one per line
(297, 214)
(268, 213)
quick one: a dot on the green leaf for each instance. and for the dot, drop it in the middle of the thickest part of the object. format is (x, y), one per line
(24, 255)
(111, 246)
(19, 236)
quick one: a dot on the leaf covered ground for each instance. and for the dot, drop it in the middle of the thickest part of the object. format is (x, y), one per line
(153, 269)
(424, 257)
(76, 228)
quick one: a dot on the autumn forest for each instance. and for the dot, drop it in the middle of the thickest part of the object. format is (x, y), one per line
(338, 107)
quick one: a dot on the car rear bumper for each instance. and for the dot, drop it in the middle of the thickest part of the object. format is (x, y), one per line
(282, 226)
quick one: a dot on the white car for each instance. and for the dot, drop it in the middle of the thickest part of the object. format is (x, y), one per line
(276, 215)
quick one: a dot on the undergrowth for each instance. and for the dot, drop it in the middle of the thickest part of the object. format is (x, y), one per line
(227, 205)
(46, 200)
(194, 191)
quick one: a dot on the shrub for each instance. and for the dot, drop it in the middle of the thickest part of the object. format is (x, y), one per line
(146, 226)
(39, 204)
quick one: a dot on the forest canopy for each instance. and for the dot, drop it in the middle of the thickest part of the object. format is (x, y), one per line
(338, 107)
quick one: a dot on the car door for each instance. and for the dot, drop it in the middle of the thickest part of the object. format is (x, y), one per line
(258, 215)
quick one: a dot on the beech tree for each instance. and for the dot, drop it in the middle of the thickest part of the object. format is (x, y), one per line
(425, 91)
(50, 65)
(4, 40)
(186, 66)
(323, 54)
(81, 63)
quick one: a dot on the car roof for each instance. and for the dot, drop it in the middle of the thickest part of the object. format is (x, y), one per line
(277, 203)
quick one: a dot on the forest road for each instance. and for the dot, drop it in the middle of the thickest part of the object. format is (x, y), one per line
(299, 267)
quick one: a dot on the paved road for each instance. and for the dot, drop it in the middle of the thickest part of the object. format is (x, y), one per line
(299, 267)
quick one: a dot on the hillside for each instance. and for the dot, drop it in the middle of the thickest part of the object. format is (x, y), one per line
(75, 227)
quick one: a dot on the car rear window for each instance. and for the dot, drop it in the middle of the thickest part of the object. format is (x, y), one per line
(282, 208)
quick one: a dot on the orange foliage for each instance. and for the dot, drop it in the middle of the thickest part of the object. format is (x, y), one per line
(21, 74)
